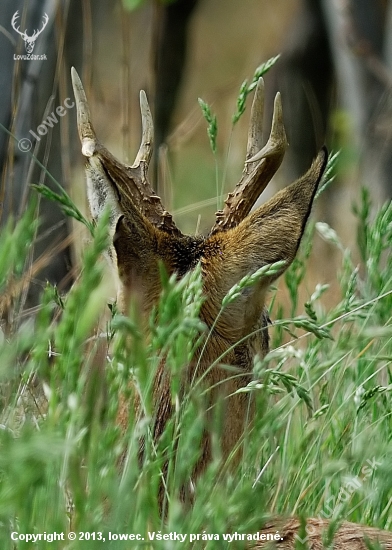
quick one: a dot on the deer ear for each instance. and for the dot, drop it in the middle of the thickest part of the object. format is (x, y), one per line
(137, 262)
(270, 234)
(274, 231)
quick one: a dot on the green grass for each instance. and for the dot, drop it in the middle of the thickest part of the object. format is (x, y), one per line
(323, 407)
(320, 444)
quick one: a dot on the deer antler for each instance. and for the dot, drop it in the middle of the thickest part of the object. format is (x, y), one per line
(13, 23)
(259, 167)
(45, 22)
(129, 183)
(24, 34)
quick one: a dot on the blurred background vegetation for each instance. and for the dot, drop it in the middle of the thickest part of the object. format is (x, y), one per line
(334, 74)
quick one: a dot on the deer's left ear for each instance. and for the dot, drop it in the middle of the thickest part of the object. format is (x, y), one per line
(270, 234)
(273, 231)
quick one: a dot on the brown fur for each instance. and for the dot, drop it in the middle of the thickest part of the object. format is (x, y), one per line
(239, 243)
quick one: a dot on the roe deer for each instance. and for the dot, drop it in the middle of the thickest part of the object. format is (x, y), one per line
(239, 243)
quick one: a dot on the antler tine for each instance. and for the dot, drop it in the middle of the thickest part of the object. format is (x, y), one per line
(86, 131)
(146, 145)
(277, 142)
(259, 168)
(255, 133)
(132, 189)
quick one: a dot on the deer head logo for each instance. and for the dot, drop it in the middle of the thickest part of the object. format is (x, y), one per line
(29, 40)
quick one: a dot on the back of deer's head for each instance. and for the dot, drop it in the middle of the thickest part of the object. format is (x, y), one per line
(239, 243)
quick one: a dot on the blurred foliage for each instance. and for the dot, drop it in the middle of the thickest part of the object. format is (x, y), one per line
(134, 4)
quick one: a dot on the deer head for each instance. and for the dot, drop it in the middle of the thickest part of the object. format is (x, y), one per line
(240, 242)
(29, 40)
